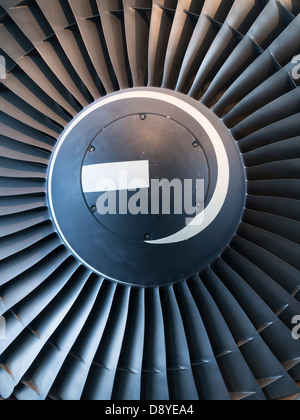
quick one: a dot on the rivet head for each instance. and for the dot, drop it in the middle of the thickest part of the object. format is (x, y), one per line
(142, 117)
(195, 144)
(92, 149)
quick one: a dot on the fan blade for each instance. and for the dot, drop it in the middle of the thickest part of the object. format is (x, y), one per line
(264, 67)
(154, 378)
(128, 380)
(89, 24)
(38, 32)
(16, 290)
(180, 375)
(20, 357)
(269, 373)
(180, 36)
(271, 265)
(285, 169)
(62, 22)
(40, 296)
(237, 23)
(35, 67)
(227, 332)
(276, 297)
(230, 360)
(104, 368)
(207, 27)
(271, 22)
(137, 14)
(283, 248)
(271, 113)
(288, 229)
(275, 152)
(17, 223)
(204, 364)
(163, 12)
(72, 378)
(270, 328)
(279, 206)
(18, 109)
(279, 130)
(39, 379)
(112, 18)
(22, 86)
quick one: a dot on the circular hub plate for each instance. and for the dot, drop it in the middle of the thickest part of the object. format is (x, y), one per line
(150, 148)
(146, 187)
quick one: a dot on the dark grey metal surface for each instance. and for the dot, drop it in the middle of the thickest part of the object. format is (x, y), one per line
(224, 333)
(114, 245)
